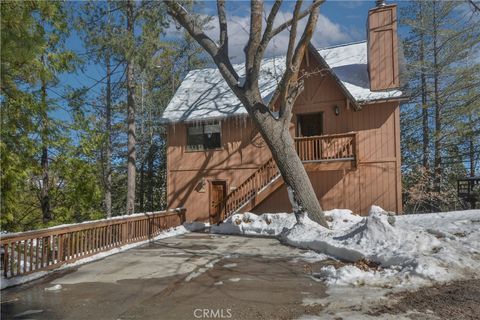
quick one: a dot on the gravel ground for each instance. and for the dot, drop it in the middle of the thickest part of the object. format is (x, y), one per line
(456, 300)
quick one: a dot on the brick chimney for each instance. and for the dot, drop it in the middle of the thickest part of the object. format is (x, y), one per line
(383, 47)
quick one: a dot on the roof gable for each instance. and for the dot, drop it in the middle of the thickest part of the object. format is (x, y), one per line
(204, 94)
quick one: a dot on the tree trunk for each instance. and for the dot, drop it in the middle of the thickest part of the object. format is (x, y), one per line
(280, 142)
(108, 147)
(150, 177)
(274, 131)
(131, 170)
(471, 152)
(141, 192)
(425, 128)
(438, 114)
(45, 185)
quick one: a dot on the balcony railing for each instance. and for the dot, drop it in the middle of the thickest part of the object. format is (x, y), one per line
(332, 147)
(335, 147)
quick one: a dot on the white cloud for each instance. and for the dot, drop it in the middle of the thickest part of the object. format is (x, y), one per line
(327, 33)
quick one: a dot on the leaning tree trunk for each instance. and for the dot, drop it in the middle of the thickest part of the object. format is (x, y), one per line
(275, 131)
(281, 144)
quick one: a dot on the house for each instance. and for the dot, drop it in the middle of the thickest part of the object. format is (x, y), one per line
(346, 127)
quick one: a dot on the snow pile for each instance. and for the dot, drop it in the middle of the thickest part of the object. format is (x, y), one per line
(267, 224)
(379, 249)
(372, 238)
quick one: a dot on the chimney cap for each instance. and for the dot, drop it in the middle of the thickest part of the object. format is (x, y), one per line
(380, 3)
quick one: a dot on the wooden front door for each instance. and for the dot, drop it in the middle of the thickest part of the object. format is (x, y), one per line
(218, 192)
(309, 124)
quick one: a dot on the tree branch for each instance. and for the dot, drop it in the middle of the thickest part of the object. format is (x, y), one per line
(268, 29)
(221, 59)
(181, 15)
(475, 6)
(302, 15)
(222, 21)
(251, 73)
(287, 86)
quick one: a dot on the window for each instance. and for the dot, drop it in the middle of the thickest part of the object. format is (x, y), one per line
(204, 136)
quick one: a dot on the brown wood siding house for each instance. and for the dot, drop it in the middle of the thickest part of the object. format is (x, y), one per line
(346, 125)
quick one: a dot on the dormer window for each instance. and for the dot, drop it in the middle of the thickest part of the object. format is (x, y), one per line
(204, 136)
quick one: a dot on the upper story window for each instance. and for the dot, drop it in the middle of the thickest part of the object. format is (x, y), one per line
(204, 136)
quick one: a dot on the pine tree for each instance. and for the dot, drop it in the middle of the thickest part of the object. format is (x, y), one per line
(443, 80)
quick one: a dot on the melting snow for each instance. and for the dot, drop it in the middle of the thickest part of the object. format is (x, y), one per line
(409, 249)
(252, 224)
(54, 288)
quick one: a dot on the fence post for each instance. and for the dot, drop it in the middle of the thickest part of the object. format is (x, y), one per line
(5, 260)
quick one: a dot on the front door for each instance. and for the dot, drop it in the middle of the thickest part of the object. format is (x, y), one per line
(309, 124)
(218, 192)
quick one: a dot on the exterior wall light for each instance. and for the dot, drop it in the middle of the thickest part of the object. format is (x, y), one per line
(337, 110)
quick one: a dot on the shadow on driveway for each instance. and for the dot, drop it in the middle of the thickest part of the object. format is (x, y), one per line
(194, 276)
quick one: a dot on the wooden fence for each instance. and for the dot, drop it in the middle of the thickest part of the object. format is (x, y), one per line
(45, 249)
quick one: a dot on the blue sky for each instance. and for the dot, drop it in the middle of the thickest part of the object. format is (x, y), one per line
(339, 22)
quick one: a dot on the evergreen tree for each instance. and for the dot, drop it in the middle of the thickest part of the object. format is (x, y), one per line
(443, 81)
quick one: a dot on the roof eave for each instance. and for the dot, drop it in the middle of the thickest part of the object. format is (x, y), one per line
(166, 121)
(392, 99)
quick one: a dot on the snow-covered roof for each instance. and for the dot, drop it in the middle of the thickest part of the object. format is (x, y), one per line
(349, 64)
(204, 94)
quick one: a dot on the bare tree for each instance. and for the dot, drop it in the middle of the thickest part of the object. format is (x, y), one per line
(475, 6)
(274, 129)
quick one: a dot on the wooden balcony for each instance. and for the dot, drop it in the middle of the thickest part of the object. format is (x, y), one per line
(328, 152)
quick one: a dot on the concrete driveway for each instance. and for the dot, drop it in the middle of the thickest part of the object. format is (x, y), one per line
(194, 276)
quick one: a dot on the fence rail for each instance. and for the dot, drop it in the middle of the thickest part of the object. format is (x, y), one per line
(44, 249)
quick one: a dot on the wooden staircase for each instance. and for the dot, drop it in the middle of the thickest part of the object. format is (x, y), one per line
(253, 190)
(328, 152)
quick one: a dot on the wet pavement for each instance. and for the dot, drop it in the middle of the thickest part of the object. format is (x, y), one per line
(193, 276)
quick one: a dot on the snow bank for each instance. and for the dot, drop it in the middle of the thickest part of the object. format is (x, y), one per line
(414, 249)
(373, 238)
(251, 224)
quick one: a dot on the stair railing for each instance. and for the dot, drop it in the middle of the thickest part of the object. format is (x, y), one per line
(249, 188)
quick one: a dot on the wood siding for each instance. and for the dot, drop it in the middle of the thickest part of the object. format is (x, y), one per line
(376, 180)
(243, 151)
